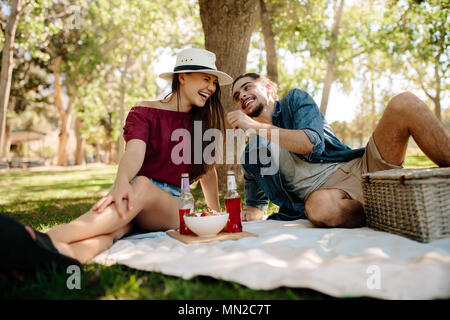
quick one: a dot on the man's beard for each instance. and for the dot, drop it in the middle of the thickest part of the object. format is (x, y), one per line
(258, 110)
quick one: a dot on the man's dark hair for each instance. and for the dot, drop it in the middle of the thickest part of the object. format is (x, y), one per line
(257, 76)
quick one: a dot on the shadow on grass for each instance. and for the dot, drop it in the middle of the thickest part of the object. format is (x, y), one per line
(121, 282)
(48, 212)
(28, 173)
(103, 184)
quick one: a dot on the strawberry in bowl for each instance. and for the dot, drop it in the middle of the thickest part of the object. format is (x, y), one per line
(209, 213)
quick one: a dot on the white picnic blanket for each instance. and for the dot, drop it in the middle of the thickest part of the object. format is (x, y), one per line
(339, 262)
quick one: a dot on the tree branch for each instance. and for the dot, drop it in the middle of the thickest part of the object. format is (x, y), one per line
(354, 55)
(3, 27)
(422, 85)
(25, 4)
(57, 16)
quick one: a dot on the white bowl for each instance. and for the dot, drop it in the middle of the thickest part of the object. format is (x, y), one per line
(207, 226)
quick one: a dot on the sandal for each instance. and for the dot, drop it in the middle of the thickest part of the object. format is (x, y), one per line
(20, 253)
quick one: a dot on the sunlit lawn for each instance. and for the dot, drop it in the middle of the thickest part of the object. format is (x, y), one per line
(45, 198)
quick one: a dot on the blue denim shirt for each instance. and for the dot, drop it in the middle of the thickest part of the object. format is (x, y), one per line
(297, 110)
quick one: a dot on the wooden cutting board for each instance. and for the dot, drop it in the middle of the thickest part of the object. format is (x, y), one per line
(221, 236)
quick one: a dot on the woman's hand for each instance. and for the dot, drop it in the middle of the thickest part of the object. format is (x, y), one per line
(129, 165)
(120, 192)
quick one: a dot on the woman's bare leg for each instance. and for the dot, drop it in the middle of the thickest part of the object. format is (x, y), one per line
(85, 250)
(160, 214)
(93, 224)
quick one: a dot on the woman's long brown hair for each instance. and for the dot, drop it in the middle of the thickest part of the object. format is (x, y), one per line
(211, 115)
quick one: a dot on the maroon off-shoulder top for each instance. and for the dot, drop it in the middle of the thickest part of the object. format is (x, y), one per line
(155, 128)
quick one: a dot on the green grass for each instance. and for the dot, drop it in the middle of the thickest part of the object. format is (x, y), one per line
(45, 198)
(418, 161)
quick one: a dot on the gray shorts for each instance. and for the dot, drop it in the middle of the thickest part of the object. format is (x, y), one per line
(348, 177)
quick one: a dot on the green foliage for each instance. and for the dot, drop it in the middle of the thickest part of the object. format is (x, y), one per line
(417, 34)
(114, 50)
(305, 30)
(119, 42)
(107, 46)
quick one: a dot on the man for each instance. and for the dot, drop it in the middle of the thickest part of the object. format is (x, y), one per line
(318, 176)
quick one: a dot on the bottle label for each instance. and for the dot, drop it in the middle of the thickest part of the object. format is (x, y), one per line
(189, 207)
(185, 184)
(231, 182)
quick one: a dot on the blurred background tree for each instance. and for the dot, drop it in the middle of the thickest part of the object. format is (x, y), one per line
(79, 66)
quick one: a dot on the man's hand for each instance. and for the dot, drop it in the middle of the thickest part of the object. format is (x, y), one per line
(238, 119)
(249, 213)
(119, 193)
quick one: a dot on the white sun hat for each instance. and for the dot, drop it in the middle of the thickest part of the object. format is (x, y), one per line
(197, 60)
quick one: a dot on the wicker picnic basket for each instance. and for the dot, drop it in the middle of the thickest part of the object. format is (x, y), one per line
(411, 202)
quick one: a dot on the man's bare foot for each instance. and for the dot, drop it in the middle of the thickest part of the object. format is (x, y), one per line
(251, 213)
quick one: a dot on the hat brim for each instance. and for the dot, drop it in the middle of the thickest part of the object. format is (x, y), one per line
(222, 77)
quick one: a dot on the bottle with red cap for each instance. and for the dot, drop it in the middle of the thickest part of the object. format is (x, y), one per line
(233, 204)
(187, 203)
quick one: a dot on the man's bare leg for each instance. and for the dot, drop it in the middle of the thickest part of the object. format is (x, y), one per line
(333, 208)
(406, 115)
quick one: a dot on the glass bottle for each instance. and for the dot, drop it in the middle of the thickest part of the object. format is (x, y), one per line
(233, 205)
(187, 203)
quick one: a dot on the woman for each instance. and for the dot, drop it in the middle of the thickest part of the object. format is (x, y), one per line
(144, 195)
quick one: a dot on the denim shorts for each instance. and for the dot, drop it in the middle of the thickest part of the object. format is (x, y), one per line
(170, 188)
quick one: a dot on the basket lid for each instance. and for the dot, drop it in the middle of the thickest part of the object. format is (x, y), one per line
(409, 174)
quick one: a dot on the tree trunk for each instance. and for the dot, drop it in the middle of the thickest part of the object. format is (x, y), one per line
(437, 107)
(269, 39)
(123, 88)
(81, 142)
(329, 78)
(121, 143)
(7, 65)
(437, 97)
(109, 151)
(97, 152)
(228, 26)
(436, 85)
(7, 141)
(373, 110)
(64, 115)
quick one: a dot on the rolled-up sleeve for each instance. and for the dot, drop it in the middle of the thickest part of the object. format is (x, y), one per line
(307, 117)
(314, 137)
